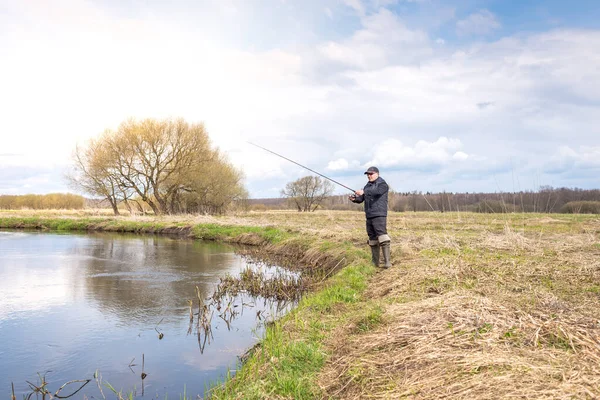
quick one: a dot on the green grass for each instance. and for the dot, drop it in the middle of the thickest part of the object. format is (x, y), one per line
(371, 320)
(78, 224)
(220, 232)
(289, 359)
(593, 289)
(197, 231)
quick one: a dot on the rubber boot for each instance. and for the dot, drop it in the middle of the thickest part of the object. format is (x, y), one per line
(374, 244)
(384, 242)
(387, 257)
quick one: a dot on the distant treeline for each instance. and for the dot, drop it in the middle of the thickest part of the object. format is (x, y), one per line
(61, 201)
(545, 200)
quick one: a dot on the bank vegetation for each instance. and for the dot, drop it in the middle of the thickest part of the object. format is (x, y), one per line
(51, 201)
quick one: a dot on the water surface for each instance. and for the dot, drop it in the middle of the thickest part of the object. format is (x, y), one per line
(74, 304)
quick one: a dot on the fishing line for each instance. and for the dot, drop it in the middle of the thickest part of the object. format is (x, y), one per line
(313, 171)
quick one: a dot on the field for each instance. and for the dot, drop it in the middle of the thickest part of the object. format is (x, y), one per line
(476, 306)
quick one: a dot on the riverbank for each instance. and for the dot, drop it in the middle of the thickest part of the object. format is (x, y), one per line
(476, 306)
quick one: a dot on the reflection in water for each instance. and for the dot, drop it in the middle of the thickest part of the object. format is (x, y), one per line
(72, 305)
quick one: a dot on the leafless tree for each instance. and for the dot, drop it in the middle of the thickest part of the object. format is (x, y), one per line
(167, 164)
(307, 193)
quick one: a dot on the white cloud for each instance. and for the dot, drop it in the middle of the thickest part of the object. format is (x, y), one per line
(356, 5)
(62, 88)
(460, 156)
(482, 22)
(386, 3)
(423, 155)
(567, 158)
(382, 41)
(337, 165)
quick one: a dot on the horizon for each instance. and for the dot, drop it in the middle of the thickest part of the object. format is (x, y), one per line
(458, 96)
(542, 189)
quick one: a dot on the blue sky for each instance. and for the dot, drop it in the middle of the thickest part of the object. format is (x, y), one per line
(461, 95)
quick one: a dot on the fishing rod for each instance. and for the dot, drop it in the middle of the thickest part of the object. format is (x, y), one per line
(285, 158)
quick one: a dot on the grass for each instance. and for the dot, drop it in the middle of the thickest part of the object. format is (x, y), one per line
(476, 305)
(292, 353)
(223, 232)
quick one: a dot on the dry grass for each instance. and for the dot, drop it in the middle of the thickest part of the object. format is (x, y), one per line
(460, 345)
(478, 308)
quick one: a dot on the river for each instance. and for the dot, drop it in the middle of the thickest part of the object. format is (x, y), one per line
(75, 306)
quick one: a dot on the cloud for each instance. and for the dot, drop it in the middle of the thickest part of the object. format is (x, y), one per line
(460, 156)
(568, 160)
(356, 5)
(364, 7)
(337, 165)
(22, 179)
(423, 155)
(383, 40)
(484, 104)
(342, 164)
(482, 22)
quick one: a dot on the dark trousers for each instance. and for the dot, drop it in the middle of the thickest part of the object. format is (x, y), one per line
(376, 227)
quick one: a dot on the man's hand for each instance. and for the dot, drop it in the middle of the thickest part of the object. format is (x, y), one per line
(360, 192)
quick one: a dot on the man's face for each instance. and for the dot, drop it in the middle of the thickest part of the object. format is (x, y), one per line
(372, 176)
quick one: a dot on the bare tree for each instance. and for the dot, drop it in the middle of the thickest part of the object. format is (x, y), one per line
(92, 174)
(163, 163)
(307, 193)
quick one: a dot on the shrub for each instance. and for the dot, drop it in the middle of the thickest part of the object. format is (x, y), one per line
(258, 207)
(494, 206)
(581, 207)
(63, 201)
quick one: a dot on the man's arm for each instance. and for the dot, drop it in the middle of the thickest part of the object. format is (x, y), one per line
(378, 189)
(355, 198)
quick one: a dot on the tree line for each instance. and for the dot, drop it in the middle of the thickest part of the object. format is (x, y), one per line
(167, 165)
(311, 193)
(52, 201)
(545, 200)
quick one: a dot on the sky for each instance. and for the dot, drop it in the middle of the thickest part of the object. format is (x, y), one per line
(441, 95)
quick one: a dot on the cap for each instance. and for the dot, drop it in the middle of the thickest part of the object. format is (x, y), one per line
(371, 169)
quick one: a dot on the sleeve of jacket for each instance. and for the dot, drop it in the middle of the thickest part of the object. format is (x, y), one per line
(359, 199)
(379, 189)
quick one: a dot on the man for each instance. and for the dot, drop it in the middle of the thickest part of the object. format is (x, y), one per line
(375, 197)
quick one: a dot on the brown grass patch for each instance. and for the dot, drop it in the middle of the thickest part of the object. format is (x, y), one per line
(462, 346)
(477, 308)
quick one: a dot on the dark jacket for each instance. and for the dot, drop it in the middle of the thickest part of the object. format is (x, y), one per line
(375, 198)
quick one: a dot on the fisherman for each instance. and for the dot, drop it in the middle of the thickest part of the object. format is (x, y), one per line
(375, 197)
